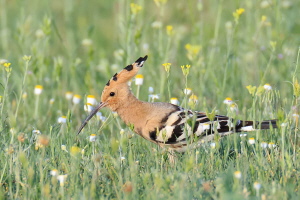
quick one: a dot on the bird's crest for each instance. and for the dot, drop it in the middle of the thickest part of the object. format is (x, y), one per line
(110, 95)
(127, 73)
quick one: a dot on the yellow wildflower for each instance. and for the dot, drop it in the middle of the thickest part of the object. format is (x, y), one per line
(24, 96)
(26, 58)
(7, 67)
(296, 88)
(237, 14)
(251, 89)
(169, 30)
(260, 90)
(185, 69)
(192, 50)
(135, 8)
(160, 2)
(6, 64)
(240, 11)
(193, 99)
(273, 45)
(167, 66)
(75, 150)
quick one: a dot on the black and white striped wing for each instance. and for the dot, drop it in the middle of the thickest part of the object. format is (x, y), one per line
(182, 126)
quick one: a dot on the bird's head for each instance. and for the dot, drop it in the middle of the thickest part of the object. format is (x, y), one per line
(116, 89)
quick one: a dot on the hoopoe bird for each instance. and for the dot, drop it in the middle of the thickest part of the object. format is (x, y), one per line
(166, 124)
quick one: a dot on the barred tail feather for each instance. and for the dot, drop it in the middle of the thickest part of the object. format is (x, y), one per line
(252, 125)
(266, 124)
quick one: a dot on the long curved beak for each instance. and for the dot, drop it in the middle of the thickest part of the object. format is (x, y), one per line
(101, 105)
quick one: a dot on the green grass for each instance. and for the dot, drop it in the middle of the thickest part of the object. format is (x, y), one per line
(226, 54)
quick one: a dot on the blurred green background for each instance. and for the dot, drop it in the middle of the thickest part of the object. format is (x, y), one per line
(78, 45)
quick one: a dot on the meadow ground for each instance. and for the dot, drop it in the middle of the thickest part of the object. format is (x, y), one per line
(56, 53)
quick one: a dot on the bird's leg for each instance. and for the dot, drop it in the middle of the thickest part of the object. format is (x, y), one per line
(172, 157)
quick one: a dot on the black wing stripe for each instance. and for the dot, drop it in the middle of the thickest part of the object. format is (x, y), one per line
(165, 119)
(203, 120)
(177, 132)
(201, 127)
(196, 125)
(153, 135)
(219, 118)
(180, 117)
(223, 123)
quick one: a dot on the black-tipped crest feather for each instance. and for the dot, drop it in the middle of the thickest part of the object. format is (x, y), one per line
(141, 60)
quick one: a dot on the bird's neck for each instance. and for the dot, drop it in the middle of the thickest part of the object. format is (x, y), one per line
(129, 109)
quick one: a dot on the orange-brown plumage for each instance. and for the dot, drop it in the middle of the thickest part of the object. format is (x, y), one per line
(163, 123)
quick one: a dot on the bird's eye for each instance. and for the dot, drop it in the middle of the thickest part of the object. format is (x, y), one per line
(112, 94)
